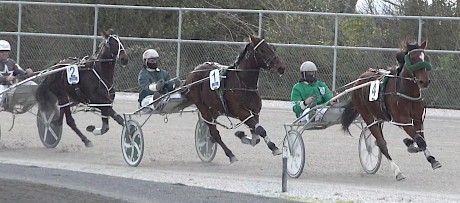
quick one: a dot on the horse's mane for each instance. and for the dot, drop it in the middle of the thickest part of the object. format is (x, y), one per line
(241, 55)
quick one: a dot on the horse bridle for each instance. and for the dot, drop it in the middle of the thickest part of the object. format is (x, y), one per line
(107, 45)
(267, 62)
(413, 79)
(112, 59)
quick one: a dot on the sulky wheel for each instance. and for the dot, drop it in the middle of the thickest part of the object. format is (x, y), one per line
(369, 153)
(50, 133)
(132, 143)
(205, 147)
(295, 153)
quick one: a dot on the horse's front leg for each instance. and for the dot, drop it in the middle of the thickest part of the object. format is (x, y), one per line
(116, 116)
(419, 134)
(258, 130)
(105, 123)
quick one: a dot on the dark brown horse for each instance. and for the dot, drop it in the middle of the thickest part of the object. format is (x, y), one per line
(399, 102)
(95, 87)
(238, 96)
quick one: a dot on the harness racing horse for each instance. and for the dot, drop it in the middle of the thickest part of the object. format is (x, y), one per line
(238, 96)
(95, 86)
(400, 102)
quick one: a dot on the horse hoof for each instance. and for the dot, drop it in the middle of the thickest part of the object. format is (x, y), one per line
(254, 142)
(408, 142)
(420, 142)
(276, 152)
(436, 165)
(233, 159)
(400, 177)
(246, 140)
(413, 149)
(90, 128)
(239, 134)
(88, 144)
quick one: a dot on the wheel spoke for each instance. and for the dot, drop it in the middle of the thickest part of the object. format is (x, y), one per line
(45, 135)
(132, 155)
(202, 144)
(136, 147)
(52, 133)
(127, 145)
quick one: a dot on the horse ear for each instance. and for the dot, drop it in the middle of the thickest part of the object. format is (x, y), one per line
(252, 38)
(407, 44)
(424, 44)
(105, 34)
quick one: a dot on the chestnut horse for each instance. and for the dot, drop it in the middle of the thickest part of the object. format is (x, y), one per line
(94, 89)
(399, 102)
(238, 96)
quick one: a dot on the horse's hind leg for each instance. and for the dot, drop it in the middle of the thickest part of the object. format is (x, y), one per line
(116, 117)
(376, 130)
(71, 123)
(217, 138)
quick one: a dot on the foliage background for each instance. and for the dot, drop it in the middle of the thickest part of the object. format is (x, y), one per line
(385, 32)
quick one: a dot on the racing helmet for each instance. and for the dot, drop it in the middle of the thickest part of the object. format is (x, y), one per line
(5, 45)
(308, 66)
(150, 54)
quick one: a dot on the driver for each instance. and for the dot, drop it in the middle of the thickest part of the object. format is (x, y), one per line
(309, 92)
(152, 80)
(9, 70)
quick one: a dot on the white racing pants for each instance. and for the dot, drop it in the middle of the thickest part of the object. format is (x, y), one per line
(319, 114)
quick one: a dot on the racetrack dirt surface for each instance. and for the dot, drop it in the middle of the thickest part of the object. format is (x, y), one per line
(332, 171)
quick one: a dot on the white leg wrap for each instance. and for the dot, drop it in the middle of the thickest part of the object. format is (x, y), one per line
(395, 168)
(97, 131)
(266, 139)
(427, 153)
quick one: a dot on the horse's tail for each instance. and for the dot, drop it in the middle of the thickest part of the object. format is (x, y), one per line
(348, 116)
(46, 100)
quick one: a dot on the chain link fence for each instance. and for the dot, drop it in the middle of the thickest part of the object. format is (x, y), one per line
(338, 65)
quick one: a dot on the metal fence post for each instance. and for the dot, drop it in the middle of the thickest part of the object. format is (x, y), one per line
(260, 24)
(334, 66)
(179, 40)
(18, 43)
(96, 14)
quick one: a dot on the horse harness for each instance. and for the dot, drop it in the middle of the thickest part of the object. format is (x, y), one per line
(81, 64)
(383, 77)
(223, 72)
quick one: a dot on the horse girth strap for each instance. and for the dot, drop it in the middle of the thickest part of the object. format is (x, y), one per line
(221, 91)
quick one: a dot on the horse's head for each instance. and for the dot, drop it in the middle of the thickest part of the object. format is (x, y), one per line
(417, 63)
(265, 55)
(113, 48)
